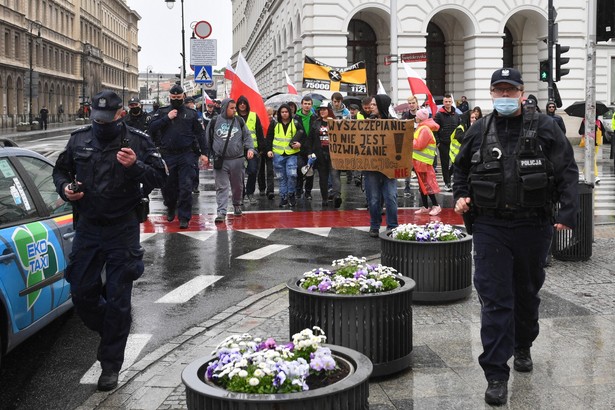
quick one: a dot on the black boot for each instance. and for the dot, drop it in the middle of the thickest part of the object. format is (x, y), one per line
(523, 360)
(497, 392)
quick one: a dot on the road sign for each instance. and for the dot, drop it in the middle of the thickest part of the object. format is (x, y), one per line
(203, 74)
(202, 29)
(413, 57)
(203, 51)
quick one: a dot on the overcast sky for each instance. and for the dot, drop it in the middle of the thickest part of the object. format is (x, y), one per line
(160, 31)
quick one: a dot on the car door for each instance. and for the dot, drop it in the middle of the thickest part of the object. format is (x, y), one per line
(32, 252)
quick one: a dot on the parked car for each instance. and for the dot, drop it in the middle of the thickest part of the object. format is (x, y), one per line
(607, 118)
(36, 235)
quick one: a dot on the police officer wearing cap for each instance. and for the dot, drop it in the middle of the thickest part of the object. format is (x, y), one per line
(136, 118)
(511, 170)
(101, 173)
(177, 132)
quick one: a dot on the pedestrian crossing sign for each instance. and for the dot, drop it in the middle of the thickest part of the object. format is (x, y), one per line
(203, 74)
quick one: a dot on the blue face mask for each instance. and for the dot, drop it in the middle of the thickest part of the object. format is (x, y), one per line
(506, 106)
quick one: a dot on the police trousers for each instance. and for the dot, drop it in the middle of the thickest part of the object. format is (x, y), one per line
(105, 308)
(509, 260)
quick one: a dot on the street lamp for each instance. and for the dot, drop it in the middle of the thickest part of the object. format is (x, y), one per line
(125, 66)
(158, 89)
(84, 60)
(148, 71)
(170, 5)
(37, 25)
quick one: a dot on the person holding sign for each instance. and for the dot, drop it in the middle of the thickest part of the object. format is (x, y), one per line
(377, 185)
(319, 134)
(285, 137)
(423, 155)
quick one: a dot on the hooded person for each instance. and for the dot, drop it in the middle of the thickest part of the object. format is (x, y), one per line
(253, 124)
(423, 155)
(229, 142)
(550, 111)
(379, 187)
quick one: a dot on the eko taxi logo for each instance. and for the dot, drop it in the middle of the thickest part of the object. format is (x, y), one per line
(37, 256)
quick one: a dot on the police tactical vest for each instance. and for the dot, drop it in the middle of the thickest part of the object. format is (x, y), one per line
(281, 139)
(509, 182)
(427, 154)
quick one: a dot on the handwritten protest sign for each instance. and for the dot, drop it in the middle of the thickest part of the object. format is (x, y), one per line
(372, 145)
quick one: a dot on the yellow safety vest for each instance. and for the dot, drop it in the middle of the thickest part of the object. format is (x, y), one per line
(251, 124)
(360, 116)
(455, 145)
(282, 140)
(428, 154)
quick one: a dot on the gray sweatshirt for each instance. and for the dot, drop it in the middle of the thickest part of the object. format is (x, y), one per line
(240, 141)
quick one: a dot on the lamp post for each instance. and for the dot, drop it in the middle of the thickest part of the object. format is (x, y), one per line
(85, 58)
(170, 5)
(148, 71)
(37, 25)
(158, 89)
(124, 67)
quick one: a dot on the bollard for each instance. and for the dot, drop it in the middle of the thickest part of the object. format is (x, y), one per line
(576, 244)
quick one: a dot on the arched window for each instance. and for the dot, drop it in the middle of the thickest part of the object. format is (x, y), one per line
(435, 60)
(362, 47)
(507, 49)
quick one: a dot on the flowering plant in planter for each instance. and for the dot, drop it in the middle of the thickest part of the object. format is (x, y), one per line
(350, 276)
(430, 232)
(247, 364)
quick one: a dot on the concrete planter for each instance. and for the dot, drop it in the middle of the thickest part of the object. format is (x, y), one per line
(351, 392)
(442, 270)
(24, 127)
(379, 325)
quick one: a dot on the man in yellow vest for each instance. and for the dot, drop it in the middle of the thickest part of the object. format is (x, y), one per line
(256, 131)
(284, 139)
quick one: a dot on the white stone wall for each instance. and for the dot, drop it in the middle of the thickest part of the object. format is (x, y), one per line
(277, 34)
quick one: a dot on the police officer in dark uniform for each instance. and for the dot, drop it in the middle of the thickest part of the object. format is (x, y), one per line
(101, 173)
(511, 170)
(177, 132)
(136, 118)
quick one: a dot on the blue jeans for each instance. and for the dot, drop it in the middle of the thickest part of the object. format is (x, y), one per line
(285, 168)
(379, 187)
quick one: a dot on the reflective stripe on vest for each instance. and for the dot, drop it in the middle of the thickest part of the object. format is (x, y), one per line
(281, 140)
(455, 145)
(427, 154)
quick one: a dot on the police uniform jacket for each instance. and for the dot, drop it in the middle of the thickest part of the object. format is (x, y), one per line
(139, 122)
(110, 189)
(177, 136)
(553, 143)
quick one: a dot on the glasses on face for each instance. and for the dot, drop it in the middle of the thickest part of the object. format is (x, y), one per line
(500, 91)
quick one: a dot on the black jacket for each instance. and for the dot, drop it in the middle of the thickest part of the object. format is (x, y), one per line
(447, 121)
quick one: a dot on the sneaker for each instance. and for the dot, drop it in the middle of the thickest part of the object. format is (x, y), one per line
(374, 233)
(220, 218)
(270, 195)
(183, 223)
(262, 193)
(337, 202)
(308, 195)
(252, 200)
(407, 191)
(597, 181)
(292, 200)
(283, 202)
(170, 214)
(497, 392)
(107, 380)
(523, 360)
(421, 210)
(435, 210)
(237, 211)
(448, 188)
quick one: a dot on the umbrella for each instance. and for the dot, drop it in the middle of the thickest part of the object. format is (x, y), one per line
(352, 100)
(402, 108)
(277, 100)
(316, 96)
(578, 109)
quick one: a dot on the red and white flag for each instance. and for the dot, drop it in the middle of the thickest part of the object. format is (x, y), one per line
(208, 101)
(244, 84)
(291, 86)
(229, 73)
(418, 86)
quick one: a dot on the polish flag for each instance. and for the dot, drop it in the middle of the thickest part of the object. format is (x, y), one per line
(208, 101)
(418, 86)
(291, 87)
(229, 73)
(244, 84)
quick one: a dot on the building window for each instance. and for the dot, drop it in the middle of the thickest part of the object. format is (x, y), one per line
(507, 49)
(435, 72)
(362, 47)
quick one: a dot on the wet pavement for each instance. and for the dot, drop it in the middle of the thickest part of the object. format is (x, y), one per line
(574, 355)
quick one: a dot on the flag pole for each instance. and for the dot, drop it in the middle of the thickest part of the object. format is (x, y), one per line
(394, 69)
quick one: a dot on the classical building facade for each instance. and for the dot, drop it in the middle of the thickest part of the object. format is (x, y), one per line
(69, 49)
(464, 41)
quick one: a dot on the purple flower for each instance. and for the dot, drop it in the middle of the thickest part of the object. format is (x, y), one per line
(312, 288)
(324, 286)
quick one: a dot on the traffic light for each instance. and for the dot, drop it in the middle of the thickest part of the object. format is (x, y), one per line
(545, 70)
(605, 20)
(560, 61)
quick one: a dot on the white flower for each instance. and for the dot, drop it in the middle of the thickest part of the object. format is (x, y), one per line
(253, 381)
(243, 374)
(258, 373)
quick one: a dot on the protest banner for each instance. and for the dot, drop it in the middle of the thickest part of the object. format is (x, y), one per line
(318, 76)
(372, 145)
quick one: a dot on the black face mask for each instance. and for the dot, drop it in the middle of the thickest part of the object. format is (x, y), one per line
(177, 103)
(135, 110)
(107, 131)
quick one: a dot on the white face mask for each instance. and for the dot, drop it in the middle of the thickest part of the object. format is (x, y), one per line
(506, 106)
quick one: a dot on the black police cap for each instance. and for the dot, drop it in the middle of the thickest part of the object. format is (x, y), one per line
(176, 89)
(133, 100)
(104, 106)
(188, 100)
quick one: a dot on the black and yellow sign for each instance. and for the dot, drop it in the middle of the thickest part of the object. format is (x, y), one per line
(372, 145)
(318, 76)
